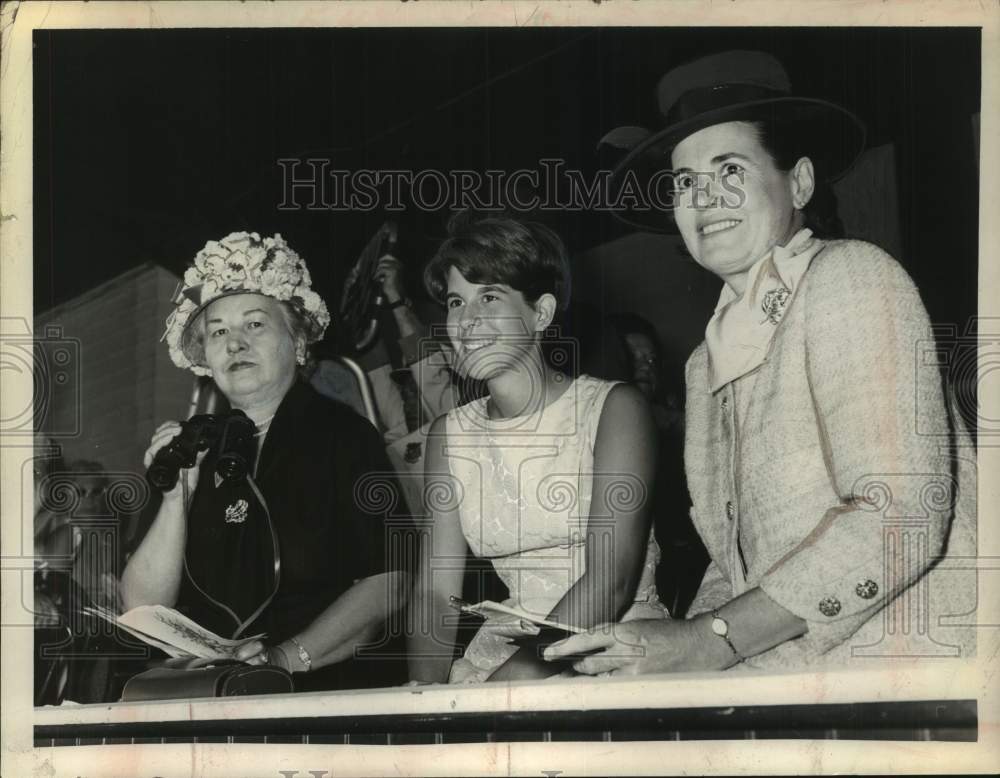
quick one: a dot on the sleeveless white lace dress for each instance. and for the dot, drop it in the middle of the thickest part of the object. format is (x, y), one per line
(527, 484)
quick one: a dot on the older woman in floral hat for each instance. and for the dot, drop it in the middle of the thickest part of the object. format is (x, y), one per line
(292, 549)
(819, 449)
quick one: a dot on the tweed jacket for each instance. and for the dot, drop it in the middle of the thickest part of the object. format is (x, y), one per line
(829, 476)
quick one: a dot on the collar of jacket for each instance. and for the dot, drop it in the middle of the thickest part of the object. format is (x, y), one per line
(286, 425)
(738, 335)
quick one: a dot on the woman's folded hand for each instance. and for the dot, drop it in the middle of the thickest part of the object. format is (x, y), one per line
(254, 653)
(636, 647)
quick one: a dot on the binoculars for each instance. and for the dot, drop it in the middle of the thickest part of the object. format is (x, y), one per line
(232, 434)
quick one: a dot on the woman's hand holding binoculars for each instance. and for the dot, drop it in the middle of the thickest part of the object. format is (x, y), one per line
(165, 433)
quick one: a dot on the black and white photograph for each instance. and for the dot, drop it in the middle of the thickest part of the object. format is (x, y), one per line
(507, 388)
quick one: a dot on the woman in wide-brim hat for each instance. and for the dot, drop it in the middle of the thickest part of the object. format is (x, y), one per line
(811, 434)
(296, 547)
(738, 85)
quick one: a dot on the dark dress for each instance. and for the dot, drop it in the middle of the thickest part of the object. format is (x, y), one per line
(333, 502)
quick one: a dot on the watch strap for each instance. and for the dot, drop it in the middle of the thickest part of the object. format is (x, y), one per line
(724, 634)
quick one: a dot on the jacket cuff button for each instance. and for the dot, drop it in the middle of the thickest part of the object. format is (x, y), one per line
(730, 510)
(866, 589)
(829, 606)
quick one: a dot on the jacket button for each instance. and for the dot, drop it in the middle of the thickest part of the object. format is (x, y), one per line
(730, 510)
(866, 589)
(725, 402)
(829, 606)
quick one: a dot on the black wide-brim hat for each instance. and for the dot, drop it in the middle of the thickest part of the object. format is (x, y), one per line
(726, 87)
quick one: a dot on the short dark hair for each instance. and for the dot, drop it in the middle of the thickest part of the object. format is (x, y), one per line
(787, 144)
(501, 249)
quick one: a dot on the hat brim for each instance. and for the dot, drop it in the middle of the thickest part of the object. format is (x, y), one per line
(839, 134)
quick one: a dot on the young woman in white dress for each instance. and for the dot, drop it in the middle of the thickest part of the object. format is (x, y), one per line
(547, 476)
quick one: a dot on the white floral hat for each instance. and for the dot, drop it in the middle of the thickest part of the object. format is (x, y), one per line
(241, 262)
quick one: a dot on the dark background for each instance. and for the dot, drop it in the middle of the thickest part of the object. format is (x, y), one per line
(148, 143)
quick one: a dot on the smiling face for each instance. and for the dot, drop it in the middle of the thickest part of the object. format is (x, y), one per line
(733, 205)
(250, 348)
(491, 326)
